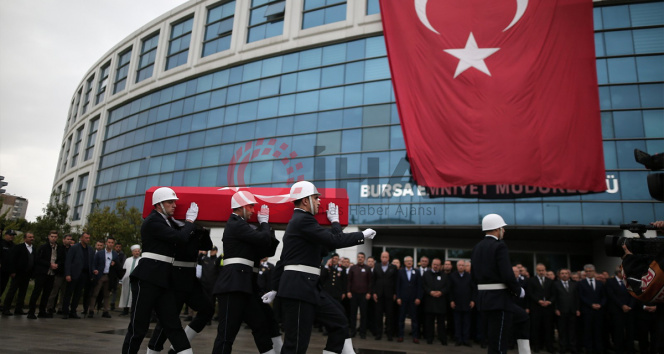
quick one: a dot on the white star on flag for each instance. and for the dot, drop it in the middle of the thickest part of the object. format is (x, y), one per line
(471, 56)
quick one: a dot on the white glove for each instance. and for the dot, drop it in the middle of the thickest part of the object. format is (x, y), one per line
(192, 212)
(333, 213)
(523, 294)
(369, 233)
(264, 214)
(269, 297)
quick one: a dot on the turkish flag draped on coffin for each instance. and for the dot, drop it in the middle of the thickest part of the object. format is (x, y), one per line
(497, 92)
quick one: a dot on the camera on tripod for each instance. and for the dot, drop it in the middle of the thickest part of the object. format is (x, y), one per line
(637, 245)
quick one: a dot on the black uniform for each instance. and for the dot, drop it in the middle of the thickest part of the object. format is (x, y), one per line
(435, 307)
(236, 286)
(4, 264)
(188, 289)
(21, 264)
(491, 265)
(151, 284)
(305, 244)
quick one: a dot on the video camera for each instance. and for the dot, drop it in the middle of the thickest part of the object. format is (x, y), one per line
(655, 180)
(636, 245)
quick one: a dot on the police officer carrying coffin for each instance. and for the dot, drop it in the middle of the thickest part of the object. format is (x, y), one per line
(296, 277)
(497, 287)
(189, 289)
(151, 280)
(236, 286)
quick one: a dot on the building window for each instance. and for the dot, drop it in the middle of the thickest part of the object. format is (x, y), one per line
(218, 28)
(88, 91)
(78, 102)
(122, 71)
(67, 191)
(373, 7)
(77, 146)
(147, 58)
(103, 82)
(266, 19)
(178, 47)
(66, 155)
(321, 12)
(92, 137)
(80, 196)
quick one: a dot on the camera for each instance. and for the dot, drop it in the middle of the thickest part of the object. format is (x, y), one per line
(636, 245)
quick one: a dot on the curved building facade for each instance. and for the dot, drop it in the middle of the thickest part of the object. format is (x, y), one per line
(264, 93)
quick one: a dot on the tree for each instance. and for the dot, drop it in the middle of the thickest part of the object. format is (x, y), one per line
(54, 218)
(121, 223)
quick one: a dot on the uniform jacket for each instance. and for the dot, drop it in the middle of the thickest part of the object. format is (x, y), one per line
(242, 241)
(491, 265)
(264, 276)
(588, 296)
(618, 296)
(100, 264)
(19, 260)
(334, 280)
(385, 283)
(183, 278)
(43, 258)
(209, 272)
(436, 282)
(462, 291)
(537, 291)
(305, 243)
(4, 255)
(157, 236)
(409, 290)
(567, 301)
(74, 262)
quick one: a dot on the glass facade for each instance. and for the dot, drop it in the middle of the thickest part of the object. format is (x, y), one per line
(266, 19)
(218, 28)
(122, 71)
(147, 58)
(321, 12)
(178, 46)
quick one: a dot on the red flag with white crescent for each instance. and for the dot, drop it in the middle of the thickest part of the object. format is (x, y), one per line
(497, 92)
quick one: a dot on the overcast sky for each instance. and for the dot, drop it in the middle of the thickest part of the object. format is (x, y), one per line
(46, 46)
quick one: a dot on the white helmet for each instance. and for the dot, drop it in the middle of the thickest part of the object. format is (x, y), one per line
(241, 199)
(303, 189)
(492, 222)
(163, 194)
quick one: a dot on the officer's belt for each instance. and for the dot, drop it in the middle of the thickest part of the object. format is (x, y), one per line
(184, 264)
(238, 260)
(158, 257)
(497, 286)
(303, 269)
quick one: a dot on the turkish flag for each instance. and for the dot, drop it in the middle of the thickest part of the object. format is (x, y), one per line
(497, 92)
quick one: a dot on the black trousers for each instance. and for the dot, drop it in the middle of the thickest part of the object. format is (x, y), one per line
(299, 319)
(195, 299)
(234, 308)
(43, 286)
(73, 294)
(4, 280)
(271, 318)
(430, 319)
(541, 327)
(358, 301)
(385, 306)
(593, 324)
(462, 326)
(622, 330)
(409, 308)
(567, 332)
(145, 298)
(19, 283)
(502, 322)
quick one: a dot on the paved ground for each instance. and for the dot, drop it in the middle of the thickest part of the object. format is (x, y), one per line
(102, 335)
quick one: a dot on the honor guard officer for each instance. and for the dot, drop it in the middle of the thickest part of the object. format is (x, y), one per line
(188, 288)
(151, 283)
(296, 277)
(236, 286)
(497, 287)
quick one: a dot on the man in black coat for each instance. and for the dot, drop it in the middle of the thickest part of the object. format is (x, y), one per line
(409, 297)
(333, 278)
(621, 306)
(79, 267)
(436, 292)
(236, 287)
(59, 284)
(21, 265)
(7, 243)
(592, 297)
(541, 299)
(497, 287)
(122, 257)
(462, 301)
(151, 280)
(296, 278)
(567, 310)
(46, 264)
(384, 294)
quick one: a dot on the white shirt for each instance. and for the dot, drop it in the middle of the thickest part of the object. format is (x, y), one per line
(409, 271)
(29, 247)
(109, 258)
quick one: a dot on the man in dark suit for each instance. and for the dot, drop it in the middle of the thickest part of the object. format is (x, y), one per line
(462, 301)
(59, 283)
(621, 306)
(297, 276)
(105, 273)
(7, 244)
(151, 280)
(384, 288)
(541, 299)
(423, 268)
(47, 261)
(497, 287)
(592, 297)
(21, 265)
(359, 292)
(436, 292)
(409, 297)
(78, 275)
(567, 310)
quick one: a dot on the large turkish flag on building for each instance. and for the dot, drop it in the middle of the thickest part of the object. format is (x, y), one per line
(497, 92)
